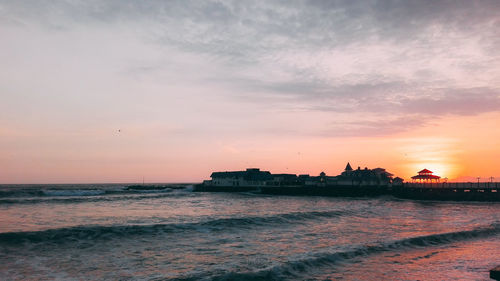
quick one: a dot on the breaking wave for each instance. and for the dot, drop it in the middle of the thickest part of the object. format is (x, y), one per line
(20, 193)
(91, 190)
(300, 267)
(28, 196)
(79, 233)
(84, 199)
(74, 192)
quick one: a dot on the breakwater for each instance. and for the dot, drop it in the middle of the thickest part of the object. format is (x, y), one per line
(448, 192)
(415, 191)
(341, 191)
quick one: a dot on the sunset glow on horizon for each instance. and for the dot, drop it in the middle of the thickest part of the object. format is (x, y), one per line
(170, 91)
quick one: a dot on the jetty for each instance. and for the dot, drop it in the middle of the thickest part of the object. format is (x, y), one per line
(460, 191)
(445, 193)
(351, 183)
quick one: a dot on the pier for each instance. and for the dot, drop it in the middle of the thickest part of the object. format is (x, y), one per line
(434, 191)
(454, 185)
(351, 183)
(460, 191)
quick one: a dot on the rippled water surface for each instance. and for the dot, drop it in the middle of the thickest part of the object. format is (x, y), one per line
(106, 232)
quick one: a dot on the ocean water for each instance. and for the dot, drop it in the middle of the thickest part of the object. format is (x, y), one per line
(103, 232)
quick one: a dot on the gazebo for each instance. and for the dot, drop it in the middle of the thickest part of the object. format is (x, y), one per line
(425, 176)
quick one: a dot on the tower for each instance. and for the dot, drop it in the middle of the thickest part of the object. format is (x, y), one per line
(348, 167)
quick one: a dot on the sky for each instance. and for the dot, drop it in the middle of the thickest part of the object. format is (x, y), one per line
(169, 91)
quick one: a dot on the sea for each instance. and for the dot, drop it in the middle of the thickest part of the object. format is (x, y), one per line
(106, 232)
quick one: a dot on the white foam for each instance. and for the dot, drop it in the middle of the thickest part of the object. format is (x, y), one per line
(73, 192)
(153, 190)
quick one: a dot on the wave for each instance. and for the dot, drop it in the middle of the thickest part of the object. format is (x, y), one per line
(83, 195)
(74, 192)
(20, 193)
(92, 190)
(79, 233)
(294, 269)
(85, 199)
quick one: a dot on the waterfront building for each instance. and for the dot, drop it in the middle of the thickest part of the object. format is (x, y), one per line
(321, 180)
(364, 177)
(283, 179)
(397, 181)
(425, 176)
(251, 177)
(254, 179)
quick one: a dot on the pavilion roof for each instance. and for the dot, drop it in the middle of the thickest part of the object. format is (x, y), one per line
(426, 177)
(425, 171)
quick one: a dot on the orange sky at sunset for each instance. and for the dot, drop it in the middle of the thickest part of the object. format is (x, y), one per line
(170, 92)
(448, 147)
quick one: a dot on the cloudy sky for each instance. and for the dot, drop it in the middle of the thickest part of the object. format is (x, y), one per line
(113, 91)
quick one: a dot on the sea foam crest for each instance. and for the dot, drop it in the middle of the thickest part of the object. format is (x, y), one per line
(61, 235)
(85, 199)
(74, 192)
(93, 191)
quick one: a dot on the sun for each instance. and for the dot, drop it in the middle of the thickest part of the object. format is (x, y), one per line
(434, 154)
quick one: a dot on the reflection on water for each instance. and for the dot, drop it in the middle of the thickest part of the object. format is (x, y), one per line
(247, 236)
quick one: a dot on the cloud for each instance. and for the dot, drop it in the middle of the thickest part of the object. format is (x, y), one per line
(455, 101)
(230, 25)
(386, 117)
(364, 59)
(373, 128)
